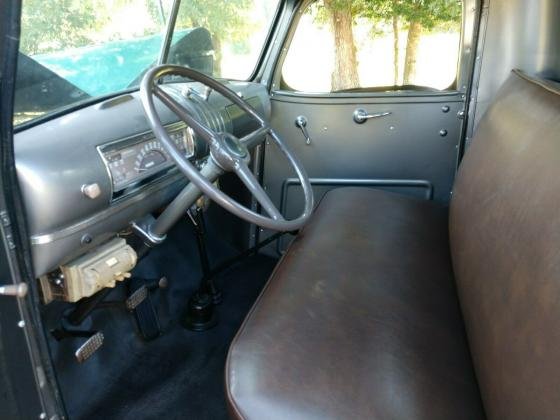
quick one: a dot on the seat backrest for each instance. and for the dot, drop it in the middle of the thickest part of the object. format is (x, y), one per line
(505, 244)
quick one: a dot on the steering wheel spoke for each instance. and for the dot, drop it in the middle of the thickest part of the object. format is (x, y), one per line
(256, 137)
(246, 176)
(170, 102)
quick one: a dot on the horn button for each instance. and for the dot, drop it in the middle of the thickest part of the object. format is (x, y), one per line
(227, 149)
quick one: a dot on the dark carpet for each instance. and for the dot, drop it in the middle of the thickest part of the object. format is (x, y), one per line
(179, 375)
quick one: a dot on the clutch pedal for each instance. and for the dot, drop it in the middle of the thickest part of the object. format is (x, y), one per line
(86, 350)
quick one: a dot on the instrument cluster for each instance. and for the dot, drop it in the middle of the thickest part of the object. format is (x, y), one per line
(136, 159)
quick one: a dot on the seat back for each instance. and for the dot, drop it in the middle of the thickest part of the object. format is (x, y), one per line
(505, 244)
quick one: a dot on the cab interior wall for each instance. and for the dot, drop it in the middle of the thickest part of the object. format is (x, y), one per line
(518, 34)
(182, 371)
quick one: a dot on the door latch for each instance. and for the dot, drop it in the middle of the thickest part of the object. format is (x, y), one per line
(360, 115)
(301, 123)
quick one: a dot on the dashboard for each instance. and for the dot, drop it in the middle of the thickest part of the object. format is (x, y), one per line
(109, 146)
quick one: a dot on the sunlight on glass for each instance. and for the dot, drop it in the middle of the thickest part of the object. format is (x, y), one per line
(351, 44)
(238, 29)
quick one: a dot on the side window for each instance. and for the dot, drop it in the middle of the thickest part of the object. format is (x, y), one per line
(374, 45)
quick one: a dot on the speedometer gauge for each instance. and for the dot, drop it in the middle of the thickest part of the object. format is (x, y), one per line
(150, 156)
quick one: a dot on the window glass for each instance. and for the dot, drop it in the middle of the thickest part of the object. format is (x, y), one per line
(76, 50)
(375, 45)
(238, 29)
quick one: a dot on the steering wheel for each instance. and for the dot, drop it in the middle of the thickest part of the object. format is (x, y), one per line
(227, 154)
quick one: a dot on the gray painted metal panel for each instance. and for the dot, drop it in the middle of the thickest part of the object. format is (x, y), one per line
(56, 158)
(523, 34)
(405, 145)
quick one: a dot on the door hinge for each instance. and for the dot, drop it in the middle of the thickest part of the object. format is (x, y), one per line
(4, 218)
(6, 230)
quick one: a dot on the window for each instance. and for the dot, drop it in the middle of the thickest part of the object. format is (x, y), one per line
(238, 29)
(375, 45)
(72, 51)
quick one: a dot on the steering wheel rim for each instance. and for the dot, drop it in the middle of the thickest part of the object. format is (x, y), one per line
(227, 152)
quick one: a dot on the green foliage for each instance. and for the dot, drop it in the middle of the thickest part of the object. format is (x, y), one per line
(431, 14)
(223, 18)
(56, 24)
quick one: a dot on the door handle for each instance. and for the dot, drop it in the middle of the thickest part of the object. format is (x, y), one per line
(301, 123)
(360, 115)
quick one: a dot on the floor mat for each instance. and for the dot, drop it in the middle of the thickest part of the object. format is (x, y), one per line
(181, 373)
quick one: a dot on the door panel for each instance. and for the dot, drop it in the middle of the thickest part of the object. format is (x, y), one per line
(411, 151)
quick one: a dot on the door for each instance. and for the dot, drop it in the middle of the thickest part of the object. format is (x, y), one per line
(27, 383)
(371, 94)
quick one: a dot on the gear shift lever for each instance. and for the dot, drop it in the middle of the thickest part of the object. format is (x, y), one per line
(200, 314)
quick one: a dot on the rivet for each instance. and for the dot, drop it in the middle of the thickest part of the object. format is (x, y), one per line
(443, 132)
(445, 108)
(86, 239)
(391, 127)
(43, 416)
(21, 323)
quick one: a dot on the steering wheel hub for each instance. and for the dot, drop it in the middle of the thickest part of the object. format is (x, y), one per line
(234, 146)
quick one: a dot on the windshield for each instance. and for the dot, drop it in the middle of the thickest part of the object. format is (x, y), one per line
(73, 51)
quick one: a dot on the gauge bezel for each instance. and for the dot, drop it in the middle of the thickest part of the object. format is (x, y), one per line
(145, 137)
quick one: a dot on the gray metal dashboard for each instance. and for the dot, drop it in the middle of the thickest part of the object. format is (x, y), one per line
(109, 146)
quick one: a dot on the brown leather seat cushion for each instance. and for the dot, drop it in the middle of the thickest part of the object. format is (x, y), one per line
(360, 320)
(505, 237)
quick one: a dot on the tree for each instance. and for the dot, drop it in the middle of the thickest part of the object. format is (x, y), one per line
(56, 24)
(419, 15)
(341, 17)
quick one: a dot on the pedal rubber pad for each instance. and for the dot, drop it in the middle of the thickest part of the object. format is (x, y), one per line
(140, 302)
(86, 350)
(146, 317)
(136, 298)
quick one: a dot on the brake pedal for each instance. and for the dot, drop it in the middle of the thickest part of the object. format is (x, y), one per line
(86, 350)
(136, 298)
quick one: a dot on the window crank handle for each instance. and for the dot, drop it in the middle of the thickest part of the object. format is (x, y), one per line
(301, 123)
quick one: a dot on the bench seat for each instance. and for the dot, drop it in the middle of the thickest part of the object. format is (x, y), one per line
(386, 308)
(372, 330)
